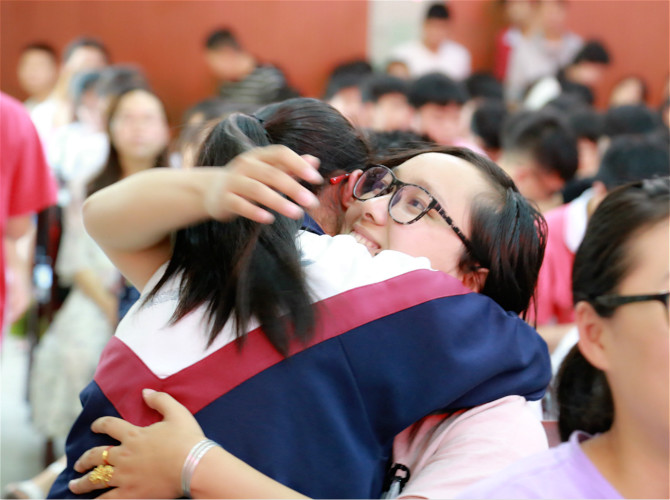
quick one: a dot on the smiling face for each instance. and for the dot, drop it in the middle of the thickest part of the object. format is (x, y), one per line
(453, 182)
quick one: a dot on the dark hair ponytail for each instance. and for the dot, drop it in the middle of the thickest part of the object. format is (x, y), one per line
(584, 398)
(241, 268)
(509, 237)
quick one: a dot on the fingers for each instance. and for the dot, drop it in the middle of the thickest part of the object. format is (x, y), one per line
(260, 181)
(93, 457)
(113, 427)
(85, 485)
(285, 159)
(259, 171)
(252, 192)
(165, 404)
(115, 493)
(249, 210)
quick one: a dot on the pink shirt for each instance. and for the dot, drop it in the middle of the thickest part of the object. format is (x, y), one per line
(447, 455)
(567, 225)
(26, 184)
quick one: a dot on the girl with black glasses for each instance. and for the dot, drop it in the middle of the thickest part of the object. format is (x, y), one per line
(305, 356)
(613, 387)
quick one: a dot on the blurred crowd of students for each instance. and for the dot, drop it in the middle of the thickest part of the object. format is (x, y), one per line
(533, 114)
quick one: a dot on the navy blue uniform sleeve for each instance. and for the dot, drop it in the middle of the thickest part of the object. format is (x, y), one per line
(448, 353)
(81, 438)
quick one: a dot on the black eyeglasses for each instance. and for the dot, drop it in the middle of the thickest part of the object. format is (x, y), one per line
(614, 301)
(408, 203)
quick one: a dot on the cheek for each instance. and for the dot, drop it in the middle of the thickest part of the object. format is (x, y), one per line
(640, 369)
(120, 137)
(353, 214)
(159, 135)
(422, 240)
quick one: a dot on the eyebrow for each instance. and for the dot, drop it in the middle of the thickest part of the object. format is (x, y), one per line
(427, 186)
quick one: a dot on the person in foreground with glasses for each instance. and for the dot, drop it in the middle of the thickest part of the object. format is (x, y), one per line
(613, 387)
(393, 338)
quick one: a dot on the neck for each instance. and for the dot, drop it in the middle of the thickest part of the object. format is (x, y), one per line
(247, 65)
(41, 96)
(432, 47)
(329, 214)
(528, 28)
(632, 460)
(593, 203)
(553, 36)
(130, 166)
(326, 220)
(572, 73)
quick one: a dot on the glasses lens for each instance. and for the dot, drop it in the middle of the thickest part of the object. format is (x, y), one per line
(408, 203)
(373, 182)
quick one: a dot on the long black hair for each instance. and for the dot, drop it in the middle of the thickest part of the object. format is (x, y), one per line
(241, 269)
(508, 235)
(601, 263)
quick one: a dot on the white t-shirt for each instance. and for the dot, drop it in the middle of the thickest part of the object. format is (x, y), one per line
(452, 59)
(166, 347)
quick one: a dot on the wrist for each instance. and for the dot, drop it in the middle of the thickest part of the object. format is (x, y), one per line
(195, 455)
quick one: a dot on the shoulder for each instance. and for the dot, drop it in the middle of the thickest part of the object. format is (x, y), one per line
(408, 48)
(506, 425)
(556, 220)
(554, 473)
(344, 264)
(447, 455)
(573, 39)
(11, 106)
(455, 48)
(12, 111)
(505, 419)
(532, 477)
(268, 72)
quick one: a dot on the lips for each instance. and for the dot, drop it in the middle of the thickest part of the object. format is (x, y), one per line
(363, 239)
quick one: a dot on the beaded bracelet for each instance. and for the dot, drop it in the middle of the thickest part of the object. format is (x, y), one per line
(192, 459)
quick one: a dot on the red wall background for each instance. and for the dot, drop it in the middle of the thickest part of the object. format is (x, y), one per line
(306, 38)
(636, 33)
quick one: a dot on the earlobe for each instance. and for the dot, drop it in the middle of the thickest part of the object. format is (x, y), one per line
(347, 191)
(592, 335)
(475, 280)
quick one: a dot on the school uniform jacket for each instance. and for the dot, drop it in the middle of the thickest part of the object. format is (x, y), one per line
(395, 341)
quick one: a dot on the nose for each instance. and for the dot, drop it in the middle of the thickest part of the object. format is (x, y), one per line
(376, 209)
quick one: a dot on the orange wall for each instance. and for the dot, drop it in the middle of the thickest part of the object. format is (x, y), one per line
(637, 35)
(475, 24)
(635, 31)
(305, 38)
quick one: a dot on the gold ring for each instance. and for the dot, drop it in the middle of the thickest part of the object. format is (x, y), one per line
(105, 455)
(101, 474)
